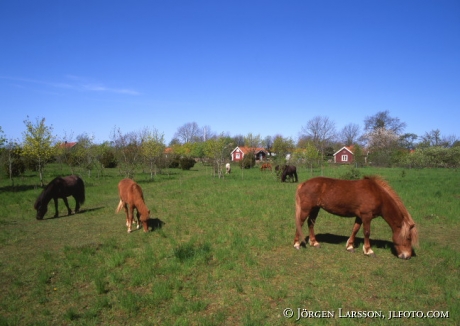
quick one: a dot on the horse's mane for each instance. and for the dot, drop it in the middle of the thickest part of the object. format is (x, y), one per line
(408, 222)
(44, 195)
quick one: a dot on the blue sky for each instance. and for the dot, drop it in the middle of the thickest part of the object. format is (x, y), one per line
(239, 67)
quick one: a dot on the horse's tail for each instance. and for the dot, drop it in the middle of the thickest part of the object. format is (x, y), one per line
(119, 207)
(81, 197)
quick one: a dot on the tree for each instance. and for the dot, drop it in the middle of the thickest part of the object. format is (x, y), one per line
(434, 138)
(350, 134)
(38, 143)
(188, 133)
(252, 141)
(128, 151)
(321, 131)
(307, 154)
(2, 137)
(218, 150)
(11, 157)
(381, 143)
(407, 140)
(383, 120)
(152, 149)
(282, 147)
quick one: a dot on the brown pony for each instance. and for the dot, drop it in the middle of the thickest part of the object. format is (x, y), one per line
(266, 166)
(131, 195)
(61, 187)
(364, 199)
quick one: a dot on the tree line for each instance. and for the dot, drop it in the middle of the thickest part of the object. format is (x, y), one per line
(382, 142)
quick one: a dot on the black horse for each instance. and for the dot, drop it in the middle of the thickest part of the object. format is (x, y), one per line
(61, 187)
(287, 171)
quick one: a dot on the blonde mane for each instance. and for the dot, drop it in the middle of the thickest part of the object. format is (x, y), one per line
(408, 226)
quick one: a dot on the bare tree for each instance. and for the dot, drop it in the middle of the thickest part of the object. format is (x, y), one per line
(383, 120)
(434, 138)
(350, 134)
(321, 131)
(188, 133)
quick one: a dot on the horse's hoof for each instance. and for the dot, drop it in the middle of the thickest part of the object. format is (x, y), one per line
(297, 245)
(351, 250)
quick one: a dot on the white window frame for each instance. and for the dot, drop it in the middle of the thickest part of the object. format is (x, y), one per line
(344, 158)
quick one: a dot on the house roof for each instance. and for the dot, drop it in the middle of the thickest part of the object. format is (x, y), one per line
(67, 144)
(246, 150)
(348, 148)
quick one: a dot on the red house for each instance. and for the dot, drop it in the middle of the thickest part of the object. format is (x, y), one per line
(344, 155)
(239, 152)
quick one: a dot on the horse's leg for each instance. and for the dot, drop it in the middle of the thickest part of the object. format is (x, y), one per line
(300, 216)
(138, 222)
(77, 205)
(351, 241)
(130, 217)
(56, 214)
(367, 232)
(311, 225)
(66, 202)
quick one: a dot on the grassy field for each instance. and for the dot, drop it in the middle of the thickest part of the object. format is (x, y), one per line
(224, 255)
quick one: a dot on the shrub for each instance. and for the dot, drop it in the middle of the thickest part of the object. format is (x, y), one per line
(186, 163)
(248, 161)
(108, 159)
(352, 174)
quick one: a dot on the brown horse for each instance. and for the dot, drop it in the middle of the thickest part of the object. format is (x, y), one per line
(61, 187)
(364, 199)
(266, 166)
(131, 195)
(287, 171)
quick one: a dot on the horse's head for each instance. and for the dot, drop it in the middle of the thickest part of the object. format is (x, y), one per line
(41, 209)
(405, 240)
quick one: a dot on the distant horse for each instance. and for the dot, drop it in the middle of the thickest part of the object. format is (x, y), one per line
(228, 168)
(61, 187)
(131, 195)
(363, 199)
(266, 166)
(287, 171)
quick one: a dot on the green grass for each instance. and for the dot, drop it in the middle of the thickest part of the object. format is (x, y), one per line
(224, 255)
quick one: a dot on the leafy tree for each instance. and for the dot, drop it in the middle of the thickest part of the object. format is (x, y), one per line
(307, 155)
(128, 151)
(38, 143)
(11, 156)
(152, 149)
(218, 150)
(282, 147)
(2, 137)
(252, 141)
(107, 156)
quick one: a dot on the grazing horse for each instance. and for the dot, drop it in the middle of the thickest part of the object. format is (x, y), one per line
(266, 166)
(287, 171)
(228, 168)
(61, 187)
(131, 195)
(363, 199)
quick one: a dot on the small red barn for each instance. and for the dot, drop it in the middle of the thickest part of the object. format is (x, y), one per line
(344, 155)
(239, 152)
